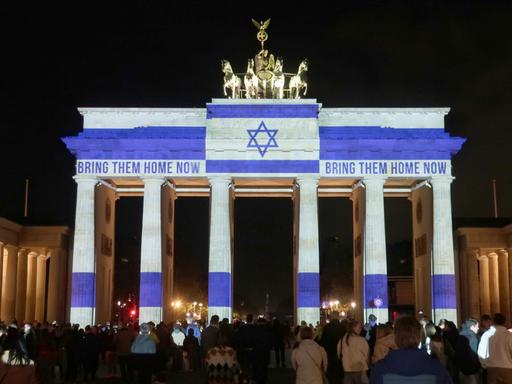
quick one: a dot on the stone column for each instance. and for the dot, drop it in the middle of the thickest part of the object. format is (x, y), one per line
(21, 284)
(150, 298)
(1, 274)
(494, 282)
(83, 272)
(56, 290)
(504, 282)
(485, 296)
(374, 251)
(308, 262)
(9, 283)
(444, 295)
(219, 264)
(41, 287)
(30, 304)
(473, 284)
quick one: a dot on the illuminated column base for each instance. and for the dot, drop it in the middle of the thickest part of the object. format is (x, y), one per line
(82, 316)
(222, 312)
(309, 315)
(147, 314)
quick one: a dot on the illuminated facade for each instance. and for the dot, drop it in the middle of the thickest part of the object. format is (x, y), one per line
(484, 267)
(34, 267)
(263, 147)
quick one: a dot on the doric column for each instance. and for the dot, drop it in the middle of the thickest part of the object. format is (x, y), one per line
(494, 282)
(504, 282)
(41, 287)
(56, 297)
(150, 298)
(83, 276)
(30, 304)
(444, 296)
(21, 285)
(1, 274)
(308, 263)
(9, 283)
(219, 264)
(473, 284)
(374, 251)
(485, 296)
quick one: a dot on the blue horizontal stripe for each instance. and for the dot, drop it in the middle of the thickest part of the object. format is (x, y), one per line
(150, 289)
(217, 111)
(219, 289)
(372, 132)
(375, 287)
(262, 166)
(146, 132)
(443, 292)
(308, 290)
(83, 288)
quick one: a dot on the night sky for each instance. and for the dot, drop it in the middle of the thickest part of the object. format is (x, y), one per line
(58, 57)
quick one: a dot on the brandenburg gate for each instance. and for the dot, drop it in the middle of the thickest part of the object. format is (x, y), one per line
(266, 141)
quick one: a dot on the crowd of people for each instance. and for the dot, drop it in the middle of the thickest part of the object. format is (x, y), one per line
(338, 351)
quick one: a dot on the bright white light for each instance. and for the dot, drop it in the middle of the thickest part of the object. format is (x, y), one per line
(353, 304)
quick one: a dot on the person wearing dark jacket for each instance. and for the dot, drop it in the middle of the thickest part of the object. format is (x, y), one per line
(466, 353)
(408, 364)
(90, 353)
(209, 338)
(261, 352)
(332, 334)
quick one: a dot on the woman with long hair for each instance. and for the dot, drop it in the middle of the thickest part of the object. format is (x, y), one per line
(15, 365)
(354, 351)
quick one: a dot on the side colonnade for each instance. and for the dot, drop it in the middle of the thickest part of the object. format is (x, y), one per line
(435, 280)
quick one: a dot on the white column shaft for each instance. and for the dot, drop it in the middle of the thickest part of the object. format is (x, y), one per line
(9, 283)
(21, 284)
(308, 263)
(504, 283)
(40, 288)
(219, 264)
(83, 280)
(30, 305)
(374, 252)
(150, 299)
(485, 296)
(494, 282)
(444, 298)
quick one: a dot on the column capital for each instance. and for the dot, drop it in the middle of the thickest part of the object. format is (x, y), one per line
(153, 179)
(85, 179)
(220, 179)
(492, 255)
(473, 252)
(503, 252)
(441, 179)
(307, 179)
(33, 254)
(42, 256)
(377, 180)
(22, 252)
(482, 257)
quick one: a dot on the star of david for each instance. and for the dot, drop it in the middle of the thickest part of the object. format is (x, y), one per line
(263, 134)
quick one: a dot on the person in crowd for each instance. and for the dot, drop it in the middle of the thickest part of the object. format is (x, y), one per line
(192, 324)
(176, 347)
(309, 360)
(244, 343)
(15, 365)
(222, 363)
(385, 342)
(408, 363)
(495, 351)
(435, 344)
(227, 330)
(485, 324)
(191, 351)
(261, 351)
(73, 352)
(466, 353)
(278, 341)
(210, 335)
(369, 331)
(143, 354)
(331, 335)
(164, 346)
(29, 339)
(90, 349)
(354, 352)
(123, 342)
